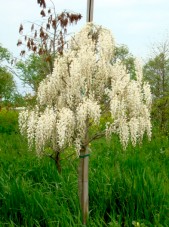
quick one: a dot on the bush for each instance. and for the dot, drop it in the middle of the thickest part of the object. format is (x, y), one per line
(8, 121)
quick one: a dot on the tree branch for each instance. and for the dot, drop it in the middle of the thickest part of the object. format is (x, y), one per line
(97, 136)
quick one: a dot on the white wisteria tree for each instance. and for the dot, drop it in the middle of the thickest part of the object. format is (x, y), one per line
(85, 89)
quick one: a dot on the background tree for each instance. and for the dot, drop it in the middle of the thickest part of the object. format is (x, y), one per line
(122, 54)
(86, 98)
(44, 42)
(33, 70)
(4, 54)
(156, 71)
(7, 84)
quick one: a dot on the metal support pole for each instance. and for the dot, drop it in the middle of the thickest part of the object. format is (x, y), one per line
(90, 7)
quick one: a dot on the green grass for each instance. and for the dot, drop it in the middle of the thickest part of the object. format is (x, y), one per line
(124, 186)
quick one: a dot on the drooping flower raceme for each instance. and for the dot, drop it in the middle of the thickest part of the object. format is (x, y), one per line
(83, 87)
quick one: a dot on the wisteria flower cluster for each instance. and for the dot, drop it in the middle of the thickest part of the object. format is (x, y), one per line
(83, 87)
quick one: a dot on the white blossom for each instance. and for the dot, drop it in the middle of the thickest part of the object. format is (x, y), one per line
(27, 123)
(138, 68)
(134, 130)
(65, 126)
(44, 129)
(87, 110)
(83, 86)
(23, 121)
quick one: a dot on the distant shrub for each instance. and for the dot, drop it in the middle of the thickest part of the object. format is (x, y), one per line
(8, 121)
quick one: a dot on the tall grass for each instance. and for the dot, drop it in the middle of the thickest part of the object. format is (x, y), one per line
(125, 187)
(131, 185)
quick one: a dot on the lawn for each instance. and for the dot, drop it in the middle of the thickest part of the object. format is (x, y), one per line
(126, 188)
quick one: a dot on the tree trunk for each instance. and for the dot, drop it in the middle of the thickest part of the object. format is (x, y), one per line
(57, 162)
(83, 182)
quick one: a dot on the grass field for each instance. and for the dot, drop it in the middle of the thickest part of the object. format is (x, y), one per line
(126, 188)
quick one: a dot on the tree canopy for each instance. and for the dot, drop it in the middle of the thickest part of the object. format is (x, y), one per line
(7, 84)
(83, 87)
(156, 71)
(33, 70)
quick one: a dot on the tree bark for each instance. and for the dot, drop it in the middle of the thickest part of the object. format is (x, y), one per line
(83, 183)
(57, 162)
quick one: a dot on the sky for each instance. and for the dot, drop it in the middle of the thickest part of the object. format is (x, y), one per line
(135, 23)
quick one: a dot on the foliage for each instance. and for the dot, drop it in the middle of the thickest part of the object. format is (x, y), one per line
(125, 187)
(33, 70)
(8, 121)
(156, 71)
(7, 84)
(122, 54)
(18, 100)
(4, 54)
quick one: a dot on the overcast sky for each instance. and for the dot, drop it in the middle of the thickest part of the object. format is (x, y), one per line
(135, 23)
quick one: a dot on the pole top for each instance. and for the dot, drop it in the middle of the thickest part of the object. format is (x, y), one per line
(90, 8)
